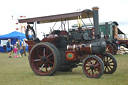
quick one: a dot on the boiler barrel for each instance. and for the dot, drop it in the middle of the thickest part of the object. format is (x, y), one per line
(96, 47)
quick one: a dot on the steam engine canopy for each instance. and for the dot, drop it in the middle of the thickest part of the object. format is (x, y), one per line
(98, 46)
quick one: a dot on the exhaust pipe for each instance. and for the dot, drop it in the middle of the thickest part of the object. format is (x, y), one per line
(96, 22)
(106, 27)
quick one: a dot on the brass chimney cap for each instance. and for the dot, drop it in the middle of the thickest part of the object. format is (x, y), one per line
(95, 8)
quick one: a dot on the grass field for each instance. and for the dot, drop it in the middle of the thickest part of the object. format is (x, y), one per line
(16, 71)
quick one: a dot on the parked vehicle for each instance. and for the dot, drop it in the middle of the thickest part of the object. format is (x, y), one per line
(107, 30)
(62, 51)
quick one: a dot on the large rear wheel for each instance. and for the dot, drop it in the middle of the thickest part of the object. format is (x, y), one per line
(93, 66)
(44, 59)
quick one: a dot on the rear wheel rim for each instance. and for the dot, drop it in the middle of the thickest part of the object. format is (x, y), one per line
(42, 60)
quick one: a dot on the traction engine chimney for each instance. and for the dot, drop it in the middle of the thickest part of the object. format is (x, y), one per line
(106, 27)
(96, 22)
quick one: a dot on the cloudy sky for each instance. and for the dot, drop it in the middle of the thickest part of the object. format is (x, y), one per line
(110, 10)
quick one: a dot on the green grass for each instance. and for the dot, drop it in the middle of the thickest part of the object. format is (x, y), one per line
(16, 71)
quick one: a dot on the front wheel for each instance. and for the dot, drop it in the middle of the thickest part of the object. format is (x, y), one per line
(93, 66)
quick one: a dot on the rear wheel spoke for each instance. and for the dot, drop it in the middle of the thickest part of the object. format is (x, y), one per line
(41, 67)
(46, 67)
(49, 55)
(37, 60)
(43, 51)
(50, 62)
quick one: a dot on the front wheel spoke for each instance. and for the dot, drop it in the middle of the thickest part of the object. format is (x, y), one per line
(92, 72)
(96, 69)
(109, 59)
(111, 62)
(92, 62)
(87, 69)
(87, 65)
(104, 58)
(97, 65)
(96, 62)
(89, 61)
(107, 68)
(110, 67)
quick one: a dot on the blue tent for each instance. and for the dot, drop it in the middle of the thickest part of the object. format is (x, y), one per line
(14, 36)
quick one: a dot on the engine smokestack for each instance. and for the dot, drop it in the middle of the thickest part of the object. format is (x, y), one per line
(106, 27)
(96, 22)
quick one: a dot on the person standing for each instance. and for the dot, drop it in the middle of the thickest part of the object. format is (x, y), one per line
(18, 46)
(9, 50)
(24, 47)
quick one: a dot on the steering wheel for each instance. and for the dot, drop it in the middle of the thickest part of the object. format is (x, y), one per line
(30, 33)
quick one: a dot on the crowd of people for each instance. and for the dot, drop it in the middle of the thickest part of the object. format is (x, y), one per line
(18, 49)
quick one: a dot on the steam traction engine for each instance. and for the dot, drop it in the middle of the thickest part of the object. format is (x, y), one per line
(108, 29)
(61, 51)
